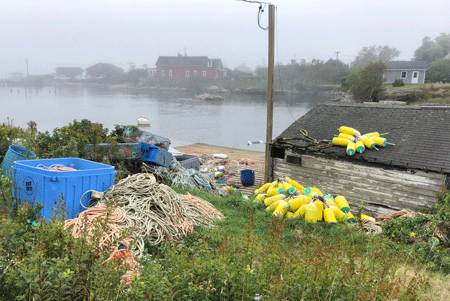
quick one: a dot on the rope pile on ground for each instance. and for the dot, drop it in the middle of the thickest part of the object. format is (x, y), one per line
(179, 176)
(87, 224)
(155, 212)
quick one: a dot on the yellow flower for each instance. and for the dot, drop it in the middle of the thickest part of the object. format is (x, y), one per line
(393, 235)
(412, 234)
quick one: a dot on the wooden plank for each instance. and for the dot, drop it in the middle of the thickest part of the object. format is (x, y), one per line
(381, 190)
(414, 187)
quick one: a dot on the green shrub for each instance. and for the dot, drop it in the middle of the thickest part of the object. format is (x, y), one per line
(398, 83)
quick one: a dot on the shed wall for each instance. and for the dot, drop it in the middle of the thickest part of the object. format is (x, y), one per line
(383, 191)
(391, 75)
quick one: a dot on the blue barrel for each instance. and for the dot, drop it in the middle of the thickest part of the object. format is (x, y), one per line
(15, 153)
(247, 177)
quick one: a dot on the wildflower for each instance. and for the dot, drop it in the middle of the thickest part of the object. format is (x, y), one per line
(412, 234)
(257, 297)
(362, 204)
(393, 235)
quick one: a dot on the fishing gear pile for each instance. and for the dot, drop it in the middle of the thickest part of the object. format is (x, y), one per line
(179, 176)
(155, 212)
(287, 198)
(355, 142)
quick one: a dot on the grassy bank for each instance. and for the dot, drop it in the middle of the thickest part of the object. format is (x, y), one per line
(425, 94)
(250, 255)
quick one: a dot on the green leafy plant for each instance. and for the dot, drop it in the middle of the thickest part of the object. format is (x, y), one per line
(398, 83)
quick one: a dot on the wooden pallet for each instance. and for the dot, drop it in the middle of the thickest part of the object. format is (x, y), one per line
(233, 154)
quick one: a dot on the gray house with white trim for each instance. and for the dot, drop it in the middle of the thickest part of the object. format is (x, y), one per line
(410, 72)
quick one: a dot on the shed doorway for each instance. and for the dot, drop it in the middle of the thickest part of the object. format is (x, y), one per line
(415, 77)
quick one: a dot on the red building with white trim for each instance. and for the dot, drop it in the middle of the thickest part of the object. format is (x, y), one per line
(184, 67)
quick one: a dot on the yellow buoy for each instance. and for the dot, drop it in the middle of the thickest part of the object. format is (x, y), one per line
(329, 217)
(281, 209)
(349, 131)
(259, 198)
(262, 188)
(300, 211)
(287, 188)
(273, 206)
(341, 203)
(374, 134)
(340, 141)
(350, 218)
(345, 136)
(360, 147)
(268, 201)
(368, 142)
(351, 148)
(311, 213)
(363, 216)
(319, 206)
(296, 185)
(329, 199)
(289, 214)
(274, 191)
(379, 141)
(310, 191)
(338, 213)
(295, 203)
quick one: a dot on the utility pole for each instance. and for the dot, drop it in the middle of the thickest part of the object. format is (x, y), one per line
(268, 160)
(337, 55)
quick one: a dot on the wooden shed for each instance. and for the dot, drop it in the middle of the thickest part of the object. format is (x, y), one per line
(407, 175)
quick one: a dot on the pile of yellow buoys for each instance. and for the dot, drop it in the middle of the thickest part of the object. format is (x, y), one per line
(287, 198)
(355, 142)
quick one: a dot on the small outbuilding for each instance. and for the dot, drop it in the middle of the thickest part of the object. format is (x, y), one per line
(410, 72)
(407, 175)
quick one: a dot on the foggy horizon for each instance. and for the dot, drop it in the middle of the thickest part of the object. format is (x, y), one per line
(51, 34)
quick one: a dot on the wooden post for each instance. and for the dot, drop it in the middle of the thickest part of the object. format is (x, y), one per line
(268, 160)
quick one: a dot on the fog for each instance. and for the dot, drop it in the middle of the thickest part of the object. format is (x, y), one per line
(55, 33)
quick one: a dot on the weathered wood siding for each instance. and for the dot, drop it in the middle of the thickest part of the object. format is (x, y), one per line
(383, 191)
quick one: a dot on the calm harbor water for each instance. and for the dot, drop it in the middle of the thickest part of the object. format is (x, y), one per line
(230, 122)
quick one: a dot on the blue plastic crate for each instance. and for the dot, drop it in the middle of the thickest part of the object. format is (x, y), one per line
(32, 183)
(156, 155)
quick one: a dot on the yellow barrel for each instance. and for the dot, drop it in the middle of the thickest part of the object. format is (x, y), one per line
(273, 206)
(329, 217)
(338, 213)
(341, 203)
(360, 147)
(350, 218)
(311, 213)
(262, 188)
(345, 136)
(268, 201)
(379, 141)
(281, 209)
(289, 214)
(259, 198)
(349, 131)
(300, 212)
(296, 185)
(368, 142)
(351, 148)
(340, 141)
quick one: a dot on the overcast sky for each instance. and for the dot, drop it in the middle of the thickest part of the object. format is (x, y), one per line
(52, 33)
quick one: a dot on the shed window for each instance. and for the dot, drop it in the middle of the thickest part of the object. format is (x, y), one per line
(403, 74)
(294, 159)
(170, 73)
(195, 72)
(204, 72)
(209, 64)
(187, 73)
(415, 74)
(163, 73)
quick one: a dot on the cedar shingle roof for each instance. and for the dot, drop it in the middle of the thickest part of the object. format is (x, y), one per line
(421, 134)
